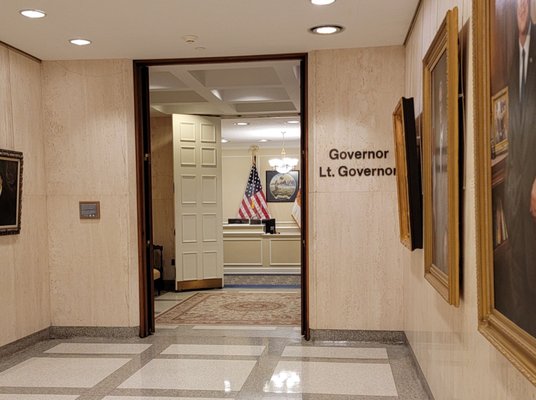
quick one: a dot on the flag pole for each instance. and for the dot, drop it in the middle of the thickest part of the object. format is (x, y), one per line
(253, 150)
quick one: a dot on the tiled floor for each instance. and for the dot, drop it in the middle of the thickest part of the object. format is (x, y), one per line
(204, 362)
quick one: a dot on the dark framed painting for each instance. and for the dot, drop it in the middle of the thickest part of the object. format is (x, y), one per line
(408, 177)
(282, 188)
(10, 191)
(505, 120)
(440, 147)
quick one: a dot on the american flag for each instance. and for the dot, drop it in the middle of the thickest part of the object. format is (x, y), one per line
(254, 203)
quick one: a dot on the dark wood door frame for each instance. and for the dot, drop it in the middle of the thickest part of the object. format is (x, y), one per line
(143, 178)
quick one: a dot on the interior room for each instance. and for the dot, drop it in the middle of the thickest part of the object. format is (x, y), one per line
(257, 108)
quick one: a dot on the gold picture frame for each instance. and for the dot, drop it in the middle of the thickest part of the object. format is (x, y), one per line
(440, 161)
(506, 293)
(408, 177)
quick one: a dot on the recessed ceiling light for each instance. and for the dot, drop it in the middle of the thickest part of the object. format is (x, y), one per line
(33, 13)
(322, 2)
(223, 140)
(263, 140)
(326, 29)
(294, 121)
(80, 42)
(242, 123)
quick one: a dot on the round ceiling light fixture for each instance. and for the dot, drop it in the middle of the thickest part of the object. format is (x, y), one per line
(80, 42)
(326, 29)
(322, 2)
(241, 123)
(293, 121)
(263, 140)
(223, 140)
(31, 13)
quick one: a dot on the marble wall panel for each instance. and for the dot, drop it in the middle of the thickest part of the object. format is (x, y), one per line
(457, 361)
(24, 287)
(356, 281)
(90, 155)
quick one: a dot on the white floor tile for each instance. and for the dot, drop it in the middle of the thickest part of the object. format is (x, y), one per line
(98, 348)
(161, 306)
(335, 352)
(174, 296)
(235, 327)
(224, 375)
(162, 398)
(37, 397)
(60, 372)
(166, 327)
(332, 378)
(214, 349)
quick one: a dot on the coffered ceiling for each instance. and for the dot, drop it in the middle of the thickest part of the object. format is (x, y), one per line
(264, 95)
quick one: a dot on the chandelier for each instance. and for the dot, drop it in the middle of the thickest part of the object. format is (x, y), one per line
(283, 164)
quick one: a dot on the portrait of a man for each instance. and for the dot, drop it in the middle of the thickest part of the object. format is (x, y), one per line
(10, 184)
(439, 166)
(515, 257)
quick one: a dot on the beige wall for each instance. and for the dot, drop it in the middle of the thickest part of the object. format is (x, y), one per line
(356, 279)
(24, 282)
(236, 164)
(90, 155)
(163, 197)
(458, 362)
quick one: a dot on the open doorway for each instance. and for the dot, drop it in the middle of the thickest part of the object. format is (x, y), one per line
(252, 103)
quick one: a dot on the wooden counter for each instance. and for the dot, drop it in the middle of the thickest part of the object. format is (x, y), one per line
(248, 250)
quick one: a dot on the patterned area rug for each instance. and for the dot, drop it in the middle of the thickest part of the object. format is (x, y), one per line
(235, 309)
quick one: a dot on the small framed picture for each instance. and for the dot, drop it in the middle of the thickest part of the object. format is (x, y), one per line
(10, 191)
(500, 120)
(282, 188)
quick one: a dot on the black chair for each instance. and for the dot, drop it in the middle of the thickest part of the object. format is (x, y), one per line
(158, 267)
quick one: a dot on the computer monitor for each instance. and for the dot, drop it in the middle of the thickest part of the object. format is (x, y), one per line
(269, 225)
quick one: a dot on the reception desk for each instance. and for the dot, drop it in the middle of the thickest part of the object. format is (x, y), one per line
(248, 250)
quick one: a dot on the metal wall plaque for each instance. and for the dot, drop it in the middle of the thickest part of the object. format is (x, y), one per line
(90, 210)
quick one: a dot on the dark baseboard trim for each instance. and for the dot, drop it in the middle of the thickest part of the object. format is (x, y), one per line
(386, 337)
(27, 341)
(65, 332)
(420, 374)
(168, 286)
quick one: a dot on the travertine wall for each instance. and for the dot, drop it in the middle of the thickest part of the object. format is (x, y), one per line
(458, 362)
(355, 274)
(90, 155)
(24, 282)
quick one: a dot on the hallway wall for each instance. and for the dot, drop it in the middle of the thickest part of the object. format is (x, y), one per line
(458, 362)
(90, 155)
(24, 282)
(355, 275)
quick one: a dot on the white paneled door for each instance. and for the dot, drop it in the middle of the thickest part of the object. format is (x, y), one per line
(198, 202)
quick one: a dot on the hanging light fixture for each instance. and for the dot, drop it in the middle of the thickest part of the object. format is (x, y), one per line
(283, 164)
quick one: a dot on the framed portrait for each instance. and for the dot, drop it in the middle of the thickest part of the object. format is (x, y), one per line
(505, 117)
(440, 149)
(10, 191)
(499, 117)
(282, 188)
(408, 178)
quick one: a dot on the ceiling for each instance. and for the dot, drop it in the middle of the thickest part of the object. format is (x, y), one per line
(145, 29)
(264, 94)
